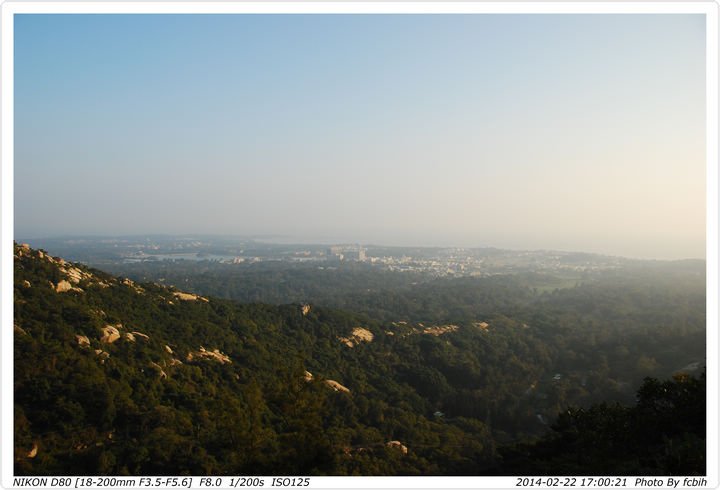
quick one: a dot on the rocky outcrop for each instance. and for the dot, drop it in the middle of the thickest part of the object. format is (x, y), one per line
(63, 286)
(131, 284)
(102, 355)
(305, 309)
(141, 335)
(336, 386)
(440, 330)
(75, 275)
(22, 250)
(110, 333)
(358, 335)
(188, 296)
(214, 355)
(168, 349)
(82, 340)
(397, 445)
(133, 336)
(33, 452)
(481, 325)
(308, 376)
(159, 370)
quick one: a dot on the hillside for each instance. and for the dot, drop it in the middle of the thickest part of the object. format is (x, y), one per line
(118, 377)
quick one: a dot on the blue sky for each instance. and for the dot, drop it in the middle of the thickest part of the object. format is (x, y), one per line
(573, 132)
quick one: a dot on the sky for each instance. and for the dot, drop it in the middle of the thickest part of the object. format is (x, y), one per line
(564, 132)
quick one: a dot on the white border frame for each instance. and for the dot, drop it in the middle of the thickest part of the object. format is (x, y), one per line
(10, 7)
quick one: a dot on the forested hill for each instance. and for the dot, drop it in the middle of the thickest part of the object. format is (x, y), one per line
(120, 378)
(117, 377)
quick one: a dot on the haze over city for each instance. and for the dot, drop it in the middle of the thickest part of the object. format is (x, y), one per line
(568, 132)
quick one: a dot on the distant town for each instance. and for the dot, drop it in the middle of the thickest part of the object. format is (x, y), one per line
(435, 261)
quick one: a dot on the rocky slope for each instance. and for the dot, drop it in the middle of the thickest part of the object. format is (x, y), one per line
(115, 377)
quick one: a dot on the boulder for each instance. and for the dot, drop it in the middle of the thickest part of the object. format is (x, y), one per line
(397, 445)
(102, 355)
(82, 340)
(110, 334)
(33, 452)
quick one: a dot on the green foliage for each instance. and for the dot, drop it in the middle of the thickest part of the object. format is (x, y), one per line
(663, 434)
(155, 405)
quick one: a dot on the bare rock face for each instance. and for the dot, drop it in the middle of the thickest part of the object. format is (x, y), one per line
(22, 250)
(305, 309)
(397, 445)
(308, 376)
(143, 336)
(358, 335)
(440, 330)
(110, 334)
(130, 337)
(214, 355)
(33, 452)
(168, 349)
(188, 296)
(481, 325)
(336, 386)
(74, 274)
(82, 340)
(63, 286)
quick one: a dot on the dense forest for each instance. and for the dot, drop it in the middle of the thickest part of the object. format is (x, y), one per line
(372, 375)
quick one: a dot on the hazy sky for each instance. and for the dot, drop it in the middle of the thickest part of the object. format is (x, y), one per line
(570, 132)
